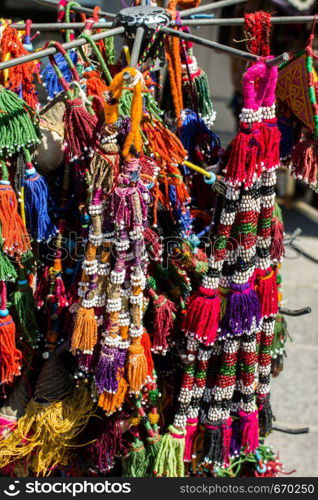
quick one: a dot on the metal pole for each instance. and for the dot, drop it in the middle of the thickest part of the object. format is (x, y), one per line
(85, 10)
(58, 26)
(135, 52)
(212, 45)
(210, 6)
(223, 48)
(67, 46)
(239, 21)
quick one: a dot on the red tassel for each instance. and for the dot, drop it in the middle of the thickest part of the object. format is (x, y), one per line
(192, 430)
(145, 342)
(20, 79)
(10, 356)
(249, 431)
(304, 160)
(267, 292)
(202, 315)
(246, 154)
(80, 127)
(163, 322)
(277, 250)
(272, 136)
(152, 243)
(227, 434)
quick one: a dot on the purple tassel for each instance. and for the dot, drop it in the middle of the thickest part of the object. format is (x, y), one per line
(236, 441)
(242, 309)
(111, 360)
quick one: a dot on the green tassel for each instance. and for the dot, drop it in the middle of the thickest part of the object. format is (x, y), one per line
(23, 302)
(18, 128)
(7, 270)
(149, 103)
(277, 213)
(110, 50)
(278, 347)
(169, 460)
(205, 106)
(153, 447)
(135, 463)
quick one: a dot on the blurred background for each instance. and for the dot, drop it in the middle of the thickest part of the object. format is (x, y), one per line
(295, 391)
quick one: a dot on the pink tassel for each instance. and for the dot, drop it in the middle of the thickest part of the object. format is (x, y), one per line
(192, 429)
(249, 431)
(163, 322)
(267, 292)
(227, 434)
(202, 316)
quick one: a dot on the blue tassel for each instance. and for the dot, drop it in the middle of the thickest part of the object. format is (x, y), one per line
(193, 132)
(49, 77)
(287, 137)
(36, 206)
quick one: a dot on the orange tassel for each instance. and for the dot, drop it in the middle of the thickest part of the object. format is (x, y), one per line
(84, 336)
(145, 342)
(14, 233)
(136, 366)
(111, 107)
(113, 402)
(10, 356)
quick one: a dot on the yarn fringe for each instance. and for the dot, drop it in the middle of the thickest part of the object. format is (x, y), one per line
(46, 432)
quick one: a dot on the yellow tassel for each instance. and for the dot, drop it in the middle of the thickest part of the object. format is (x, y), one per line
(136, 367)
(84, 336)
(47, 431)
(112, 402)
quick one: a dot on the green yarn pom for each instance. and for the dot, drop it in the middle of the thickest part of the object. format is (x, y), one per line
(7, 270)
(136, 462)
(169, 460)
(18, 129)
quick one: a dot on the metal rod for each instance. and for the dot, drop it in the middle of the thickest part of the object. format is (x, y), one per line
(239, 21)
(303, 252)
(67, 46)
(289, 430)
(135, 52)
(223, 48)
(208, 43)
(295, 312)
(210, 6)
(284, 57)
(58, 26)
(85, 10)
